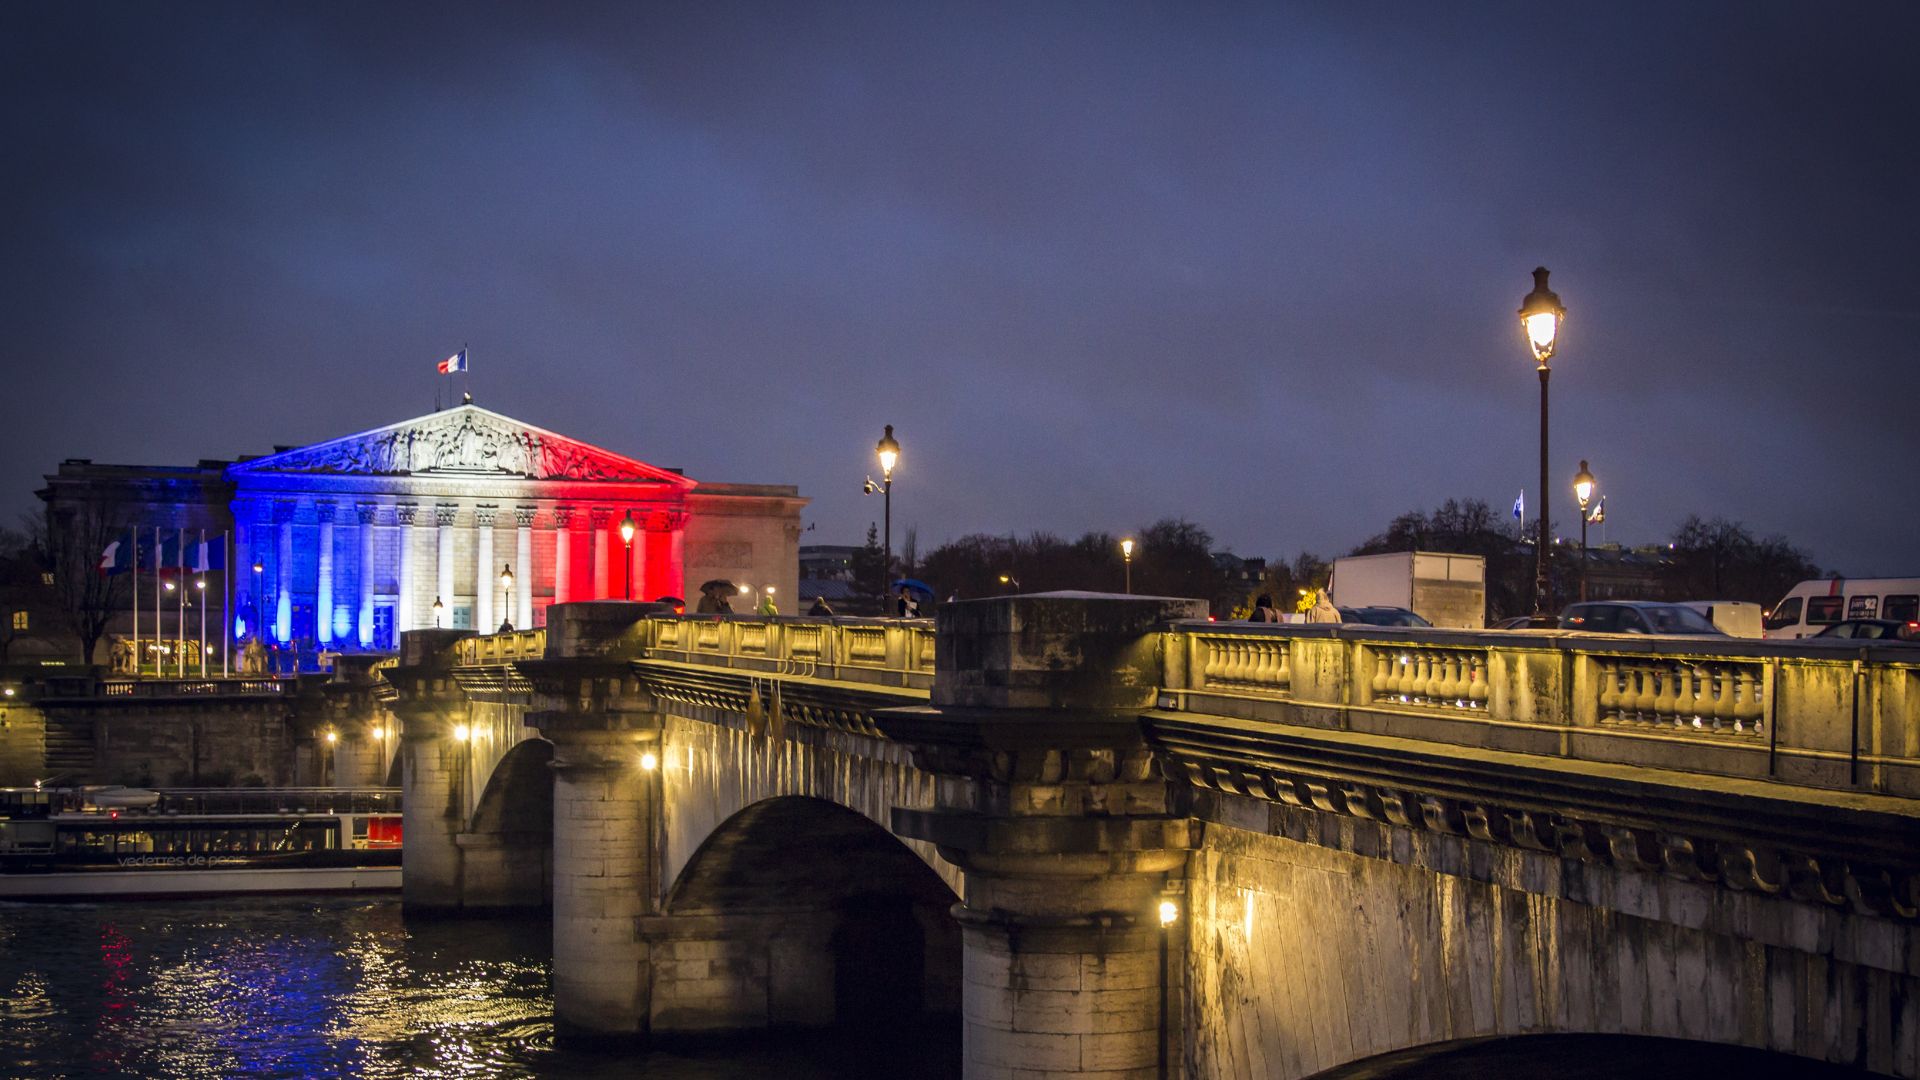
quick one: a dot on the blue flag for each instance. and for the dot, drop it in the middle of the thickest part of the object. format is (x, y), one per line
(1520, 506)
(208, 555)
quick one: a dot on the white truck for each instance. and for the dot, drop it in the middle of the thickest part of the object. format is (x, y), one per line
(1445, 590)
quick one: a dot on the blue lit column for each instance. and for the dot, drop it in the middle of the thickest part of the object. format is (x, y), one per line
(283, 571)
(323, 575)
(363, 612)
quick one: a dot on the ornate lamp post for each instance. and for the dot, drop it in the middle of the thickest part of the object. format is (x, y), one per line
(506, 591)
(889, 452)
(1583, 491)
(1540, 315)
(438, 608)
(626, 537)
(258, 569)
(1126, 556)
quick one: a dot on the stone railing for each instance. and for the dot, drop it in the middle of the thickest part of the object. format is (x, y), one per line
(890, 652)
(1844, 717)
(152, 688)
(493, 650)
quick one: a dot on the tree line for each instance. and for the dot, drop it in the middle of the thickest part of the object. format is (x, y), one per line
(1706, 559)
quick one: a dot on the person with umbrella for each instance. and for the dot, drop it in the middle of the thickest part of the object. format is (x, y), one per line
(910, 591)
(713, 597)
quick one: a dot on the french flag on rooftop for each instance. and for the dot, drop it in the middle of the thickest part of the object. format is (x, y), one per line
(456, 362)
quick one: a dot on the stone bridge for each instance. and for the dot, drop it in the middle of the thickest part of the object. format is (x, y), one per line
(1123, 841)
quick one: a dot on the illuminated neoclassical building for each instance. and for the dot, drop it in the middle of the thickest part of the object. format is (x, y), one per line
(358, 537)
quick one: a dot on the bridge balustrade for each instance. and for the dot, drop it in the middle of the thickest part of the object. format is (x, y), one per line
(1843, 717)
(893, 652)
(150, 688)
(491, 650)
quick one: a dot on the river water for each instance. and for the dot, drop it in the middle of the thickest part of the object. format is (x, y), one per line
(302, 987)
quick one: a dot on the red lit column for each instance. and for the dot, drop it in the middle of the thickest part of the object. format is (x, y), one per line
(639, 557)
(598, 519)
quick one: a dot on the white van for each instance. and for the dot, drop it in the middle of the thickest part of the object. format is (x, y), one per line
(1735, 618)
(1812, 606)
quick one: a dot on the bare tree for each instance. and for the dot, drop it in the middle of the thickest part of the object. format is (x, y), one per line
(70, 542)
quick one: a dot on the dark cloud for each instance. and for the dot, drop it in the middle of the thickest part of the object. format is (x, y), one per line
(1098, 263)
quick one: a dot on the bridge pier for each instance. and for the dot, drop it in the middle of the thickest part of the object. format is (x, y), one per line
(430, 705)
(1063, 827)
(604, 879)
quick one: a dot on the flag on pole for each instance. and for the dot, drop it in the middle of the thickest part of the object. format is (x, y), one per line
(166, 555)
(208, 556)
(1520, 506)
(119, 557)
(1599, 512)
(456, 362)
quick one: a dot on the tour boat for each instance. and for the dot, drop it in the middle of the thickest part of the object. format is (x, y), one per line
(87, 843)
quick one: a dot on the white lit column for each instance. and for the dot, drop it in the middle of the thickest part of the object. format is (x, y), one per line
(443, 576)
(523, 566)
(323, 584)
(483, 569)
(562, 554)
(283, 571)
(363, 611)
(598, 519)
(404, 617)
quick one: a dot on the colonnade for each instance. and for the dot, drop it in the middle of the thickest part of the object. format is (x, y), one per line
(390, 564)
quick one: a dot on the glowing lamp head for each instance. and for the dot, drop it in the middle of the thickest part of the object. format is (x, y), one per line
(332, 737)
(506, 576)
(1540, 314)
(201, 584)
(649, 761)
(1583, 486)
(1169, 912)
(1126, 547)
(461, 733)
(258, 567)
(1004, 579)
(770, 590)
(745, 589)
(169, 586)
(889, 452)
(627, 528)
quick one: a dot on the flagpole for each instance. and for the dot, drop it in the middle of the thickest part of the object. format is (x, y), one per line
(200, 591)
(159, 665)
(134, 535)
(180, 620)
(226, 600)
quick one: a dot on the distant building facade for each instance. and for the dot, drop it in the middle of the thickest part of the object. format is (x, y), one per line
(462, 518)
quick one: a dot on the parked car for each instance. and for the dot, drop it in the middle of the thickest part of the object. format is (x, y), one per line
(1636, 617)
(1889, 630)
(1382, 616)
(1529, 622)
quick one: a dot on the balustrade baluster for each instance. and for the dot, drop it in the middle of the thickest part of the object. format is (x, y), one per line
(1643, 701)
(1382, 672)
(1609, 698)
(1751, 709)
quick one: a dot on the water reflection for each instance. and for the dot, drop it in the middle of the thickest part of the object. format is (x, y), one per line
(278, 987)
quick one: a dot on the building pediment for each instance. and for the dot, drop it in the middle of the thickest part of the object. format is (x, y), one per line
(467, 441)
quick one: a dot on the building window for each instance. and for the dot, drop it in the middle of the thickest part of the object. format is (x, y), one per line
(19, 620)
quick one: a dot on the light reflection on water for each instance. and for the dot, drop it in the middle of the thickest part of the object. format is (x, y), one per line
(298, 987)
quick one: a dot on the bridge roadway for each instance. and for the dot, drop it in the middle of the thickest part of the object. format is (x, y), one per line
(1367, 840)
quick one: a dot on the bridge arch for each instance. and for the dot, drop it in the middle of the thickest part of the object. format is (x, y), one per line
(799, 912)
(507, 846)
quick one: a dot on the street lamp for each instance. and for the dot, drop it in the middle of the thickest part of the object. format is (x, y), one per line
(1126, 556)
(258, 569)
(506, 592)
(1583, 491)
(626, 537)
(1540, 316)
(200, 598)
(889, 452)
(1010, 580)
(438, 607)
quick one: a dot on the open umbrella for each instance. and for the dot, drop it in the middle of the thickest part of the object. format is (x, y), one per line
(674, 600)
(720, 585)
(915, 585)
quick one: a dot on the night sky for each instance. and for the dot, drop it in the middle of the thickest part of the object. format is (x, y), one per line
(1256, 266)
